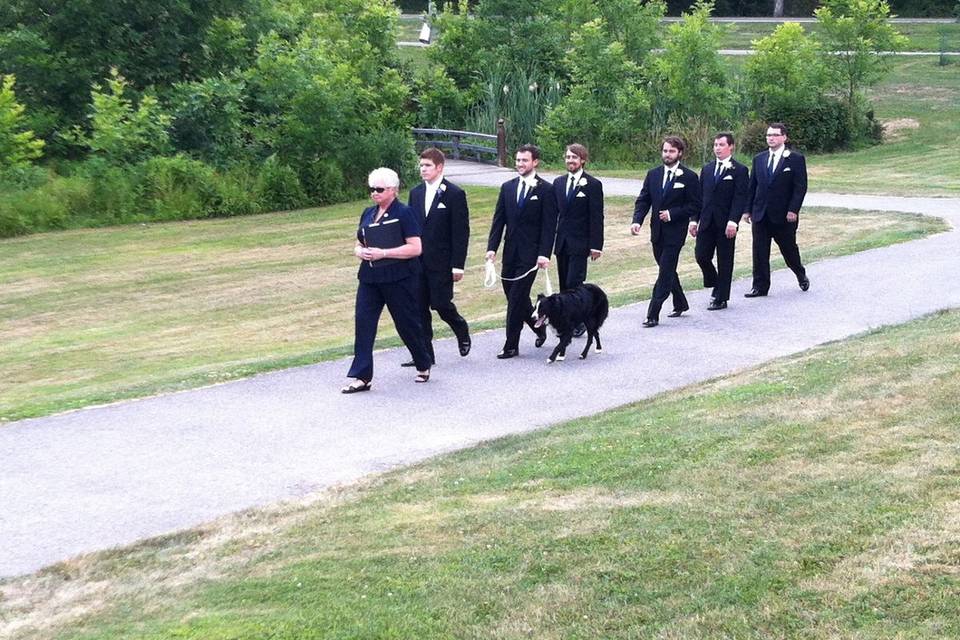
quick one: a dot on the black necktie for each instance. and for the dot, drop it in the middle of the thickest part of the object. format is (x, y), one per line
(770, 165)
(570, 187)
(717, 170)
(523, 192)
(666, 183)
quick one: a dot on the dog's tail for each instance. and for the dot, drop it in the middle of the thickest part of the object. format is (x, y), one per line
(601, 307)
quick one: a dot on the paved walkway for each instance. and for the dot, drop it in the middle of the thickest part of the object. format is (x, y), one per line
(101, 477)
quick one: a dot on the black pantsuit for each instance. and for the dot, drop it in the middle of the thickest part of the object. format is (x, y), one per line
(393, 283)
(724, 188)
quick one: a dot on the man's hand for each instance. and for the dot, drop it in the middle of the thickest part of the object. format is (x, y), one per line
(692, 229)
(665, 215)
(731, 231)
(457, 277)
(791, 216)
(635, 229)
(595, 255)
(543, 262)
(491, 255)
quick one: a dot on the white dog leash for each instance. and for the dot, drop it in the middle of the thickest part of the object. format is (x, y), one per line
(490, 277)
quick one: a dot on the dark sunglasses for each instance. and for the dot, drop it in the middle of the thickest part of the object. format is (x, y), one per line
(378, 189)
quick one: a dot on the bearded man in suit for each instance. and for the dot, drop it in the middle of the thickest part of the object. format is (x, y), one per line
(525, 218)
(442, 209)
(724, 186)
(778, 184)
(672, 190)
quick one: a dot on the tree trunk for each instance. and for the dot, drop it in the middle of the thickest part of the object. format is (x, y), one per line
(777, 8)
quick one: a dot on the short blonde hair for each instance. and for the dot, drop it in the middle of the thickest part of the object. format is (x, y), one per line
(386, 177)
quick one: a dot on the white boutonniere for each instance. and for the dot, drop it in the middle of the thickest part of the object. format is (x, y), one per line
(678, 173)
(786, 153)
(441, 189)
(582, 182)
(726, 165)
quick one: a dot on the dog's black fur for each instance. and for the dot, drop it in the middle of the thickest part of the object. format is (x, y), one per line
(586, 304)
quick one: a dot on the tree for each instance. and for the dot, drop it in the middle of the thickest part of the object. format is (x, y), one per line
(18, 147)
(856, 34)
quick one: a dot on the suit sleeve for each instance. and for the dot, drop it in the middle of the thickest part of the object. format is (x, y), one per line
(741, 194)
(752, 189)
(692, 202)
(799, 183)
(459, 229)
(696, 216)
(596, 215)
(642, 205)
(499, 220)
(548, 220)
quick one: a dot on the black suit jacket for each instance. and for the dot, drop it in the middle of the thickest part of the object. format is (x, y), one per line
(773, 198)
(683, 202)
(580, 218)
(724, 196)
(446, 230)
(530, 226)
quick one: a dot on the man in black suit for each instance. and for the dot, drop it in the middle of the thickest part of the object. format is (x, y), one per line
(724, 185)
(527, 210)
(442, 210)
(673, 192)
(778, 184)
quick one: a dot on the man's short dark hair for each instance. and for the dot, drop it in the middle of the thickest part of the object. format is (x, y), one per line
(676, 142)
(532, 148)
(778, 125)
(434, 155)
(578, 150)
(727, 135)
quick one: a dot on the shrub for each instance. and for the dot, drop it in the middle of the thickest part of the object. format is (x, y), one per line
(18, 146)
(208, 119)
(177, 188)
(278, 186)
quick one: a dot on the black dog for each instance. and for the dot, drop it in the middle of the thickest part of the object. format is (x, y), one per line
(587, 305)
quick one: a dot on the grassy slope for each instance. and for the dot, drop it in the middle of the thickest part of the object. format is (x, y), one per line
(91, 316)
(813, 497)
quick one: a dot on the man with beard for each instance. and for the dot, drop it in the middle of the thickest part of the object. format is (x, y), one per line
(673, 192)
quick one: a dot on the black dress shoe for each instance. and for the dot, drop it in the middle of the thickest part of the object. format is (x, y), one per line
(508, 353)
(411, 363)
(676, 313)
(541, 337)
(804, 284)
(650, 322)
(464, 345)
(716, 305)
(754, 293)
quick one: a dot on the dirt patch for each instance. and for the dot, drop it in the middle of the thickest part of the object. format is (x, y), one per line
(894, 129)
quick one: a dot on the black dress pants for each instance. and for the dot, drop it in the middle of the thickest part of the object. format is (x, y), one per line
(519, 306)
(436, 292)
(667, 257)
(712, 241)
(785, 235)
(572, 270)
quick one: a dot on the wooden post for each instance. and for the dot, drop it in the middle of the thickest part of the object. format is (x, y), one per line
(456, 146)
(501, 143)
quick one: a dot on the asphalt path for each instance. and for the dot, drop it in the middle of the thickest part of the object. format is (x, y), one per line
(108, 476)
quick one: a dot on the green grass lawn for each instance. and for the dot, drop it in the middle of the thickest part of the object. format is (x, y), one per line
(91, 316)
(814, 497)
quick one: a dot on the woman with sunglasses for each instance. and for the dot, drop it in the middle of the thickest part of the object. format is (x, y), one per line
(388, 239)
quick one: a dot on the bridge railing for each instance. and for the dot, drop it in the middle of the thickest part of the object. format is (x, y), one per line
(466, 145)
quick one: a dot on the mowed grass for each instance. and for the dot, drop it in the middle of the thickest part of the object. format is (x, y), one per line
(813, 497)
(92, 316)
